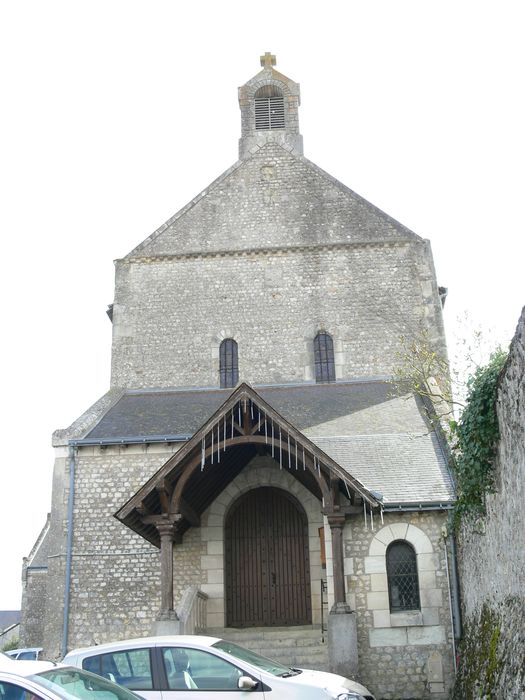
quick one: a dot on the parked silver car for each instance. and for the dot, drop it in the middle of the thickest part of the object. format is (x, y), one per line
(205, 668)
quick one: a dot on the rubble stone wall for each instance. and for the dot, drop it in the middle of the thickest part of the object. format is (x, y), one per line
(492, 556)
(409, 654)
(115, 573)
(271, 255)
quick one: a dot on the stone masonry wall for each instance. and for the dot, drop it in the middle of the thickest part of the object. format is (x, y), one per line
(115, 581)
(172, 314)
(272, 201)
(271, 253)
(33, 608)
(492, 556)
(115, 577)
(401, 655)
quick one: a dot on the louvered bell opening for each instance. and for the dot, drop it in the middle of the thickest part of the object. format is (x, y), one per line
(269, 108)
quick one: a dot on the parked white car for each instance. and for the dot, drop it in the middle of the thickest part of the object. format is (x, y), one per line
(59, 683)
(205, 668)
(29, 654)
(22, 667)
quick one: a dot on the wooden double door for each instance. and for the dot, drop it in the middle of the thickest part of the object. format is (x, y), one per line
(267, 570)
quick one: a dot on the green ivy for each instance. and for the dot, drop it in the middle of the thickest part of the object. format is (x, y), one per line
(12, 644)
(481, 659)
(475, 437)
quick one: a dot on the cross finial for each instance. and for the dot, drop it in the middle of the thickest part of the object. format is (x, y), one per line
(268, 60)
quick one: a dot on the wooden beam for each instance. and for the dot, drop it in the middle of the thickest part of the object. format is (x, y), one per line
(189, 514)
(164, 489)
(142, 509)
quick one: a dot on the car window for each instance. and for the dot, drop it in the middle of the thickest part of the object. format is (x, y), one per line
(196, 669)
(268, 665)
(28, 655)
(75, 684)
(130, 668)
(10, 691)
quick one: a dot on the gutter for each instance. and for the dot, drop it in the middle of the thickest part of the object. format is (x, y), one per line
(454, 588)
(411, 507)
(91, 442)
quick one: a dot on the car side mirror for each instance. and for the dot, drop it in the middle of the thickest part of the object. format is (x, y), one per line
(246, 683)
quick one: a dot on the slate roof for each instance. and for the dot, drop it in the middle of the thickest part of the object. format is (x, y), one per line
(402, 460)
(8, 618)
(142, 414)
(38, 557)
(404, 468)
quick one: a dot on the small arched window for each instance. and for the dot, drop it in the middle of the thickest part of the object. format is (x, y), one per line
(324, 358)
(403, 582)
(228, 363)
(269, 108)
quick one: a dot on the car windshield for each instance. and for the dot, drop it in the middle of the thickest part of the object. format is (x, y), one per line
(72, 683)
(273, 667)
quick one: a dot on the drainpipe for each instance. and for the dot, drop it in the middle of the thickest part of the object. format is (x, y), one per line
(69, 546)
(453, 586)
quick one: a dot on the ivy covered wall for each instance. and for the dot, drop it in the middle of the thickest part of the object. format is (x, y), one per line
(492, 555)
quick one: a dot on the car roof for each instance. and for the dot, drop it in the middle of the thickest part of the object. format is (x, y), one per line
(13, 677)
(17, 653)
(175, 639)
(23, 667)
(32, 680)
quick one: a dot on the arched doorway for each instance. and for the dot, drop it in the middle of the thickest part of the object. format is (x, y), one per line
(267, 569)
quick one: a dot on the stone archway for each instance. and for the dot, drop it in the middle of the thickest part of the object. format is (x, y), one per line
(267, 568)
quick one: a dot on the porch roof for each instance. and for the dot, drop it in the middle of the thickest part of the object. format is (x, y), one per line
(243, 426)
(407, 468)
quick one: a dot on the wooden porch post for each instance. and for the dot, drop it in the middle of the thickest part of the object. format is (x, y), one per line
(336, 522)
(342, 622)
(166, 531)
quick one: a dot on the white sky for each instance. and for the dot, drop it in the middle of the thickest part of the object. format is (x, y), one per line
(115, 113)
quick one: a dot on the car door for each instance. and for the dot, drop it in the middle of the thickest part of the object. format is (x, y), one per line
(19, 689)
(198, 674)
(131, 668)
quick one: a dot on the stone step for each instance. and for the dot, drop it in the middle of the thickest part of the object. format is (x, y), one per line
(233, 633)
(293, 646)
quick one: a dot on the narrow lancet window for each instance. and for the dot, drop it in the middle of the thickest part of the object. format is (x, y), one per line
(401, 571)
(269, 108)
(324, 358)
(229, 363)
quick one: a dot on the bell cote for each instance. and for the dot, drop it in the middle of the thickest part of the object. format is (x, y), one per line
(269, 105)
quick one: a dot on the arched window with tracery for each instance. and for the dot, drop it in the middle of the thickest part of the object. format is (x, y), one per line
(403, 581)
(269, 108)
(228, 363)
(324, 358)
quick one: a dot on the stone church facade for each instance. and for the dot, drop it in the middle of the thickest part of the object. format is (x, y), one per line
(250, 467)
